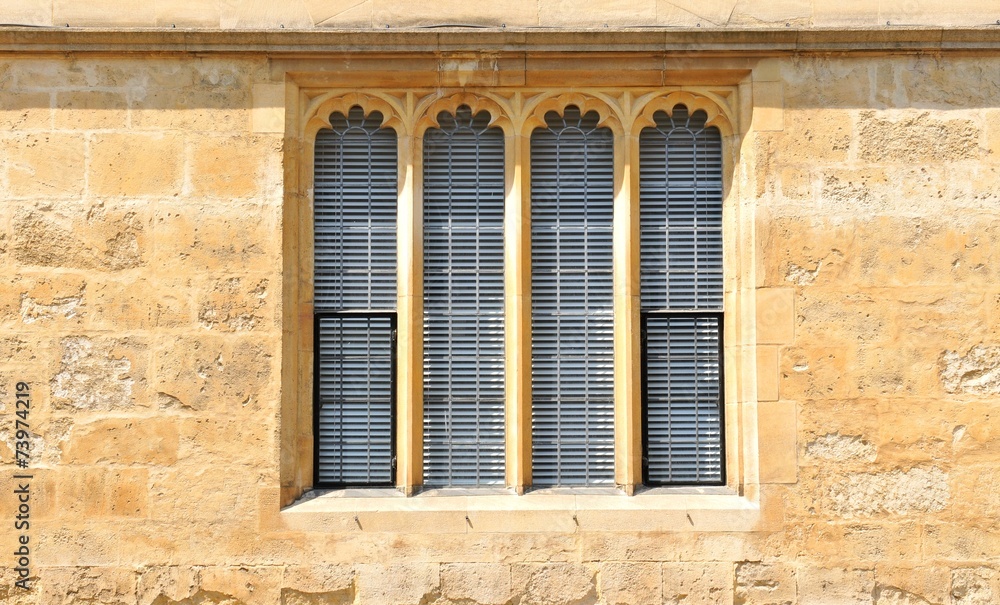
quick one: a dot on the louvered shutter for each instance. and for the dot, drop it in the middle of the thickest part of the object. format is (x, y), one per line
(572, 183)
(463, 302)
(680, 169)
(355, 299)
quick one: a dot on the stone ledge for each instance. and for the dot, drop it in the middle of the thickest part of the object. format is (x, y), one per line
(563, 511)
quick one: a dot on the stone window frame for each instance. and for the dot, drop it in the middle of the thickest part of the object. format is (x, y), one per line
(309, 97)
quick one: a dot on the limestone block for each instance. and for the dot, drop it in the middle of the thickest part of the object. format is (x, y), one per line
(227, 498)
(691, 13)
(765, 583)
(847, 319)
(913, 138)
(767, 373)
(965, 83)
(49, 165)
(100, 374)
(769, 103)
(975, 491)
(135, 164)
(839, 448)
(813, 135)
(797, 183)
(106, 13)
(911, 585)
(862, 543)
(123, 441)
(975, 586)
(90, 110)
(775, 315)
(777, 430)
(259, 14)
(814, 373)
(53, 300)
(173, 584)
(405, 584)
(513, 13)
(125, 304)
(188, 13)
(203, 372)
(781, 13)
(209, 440)
(555, 583)
(911, 492)
(341, 13)
(25, 110)
(846, 13)
(268, 113)
(210, 105)
(77, 235)
(244, 585)
(237, 304)
(484, 583)
(27, 12)
(104, 585)
(807, 251)
(89, 492)
(562, 13)
(216, 237)
(697, 583)
(332, 581)
(853, 89)
(960, 542)
(862, 190)
(975, 371)
(234, 167)
(839, 586)
(625, 583)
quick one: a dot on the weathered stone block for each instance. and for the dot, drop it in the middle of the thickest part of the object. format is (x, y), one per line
(95, 492)
(760, 583)
(697, 583)
(555, 583)
(625, 583)
(214, 237)
(234, 167)
(911, 585)
(100, 374)
(775, 315)
(484, 583)
(84, 236)
(44, 165)
(135, 164)
(975, 586)
(25, 111)
(236, 304)
(53, 301)
(406, 584)
(104, 585)
(91, 110)
(912, 138)
(838, 586)
(915, 491)
(123, 441)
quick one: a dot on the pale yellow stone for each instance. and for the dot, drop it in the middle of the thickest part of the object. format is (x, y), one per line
(777, 433)
(268, 114)
(89, 492)
(44, 165)
(25, 111)
(485, 583)
(27, 12)
(232, 167)
(769, 103)
(513, 13)
(767, 373)
(562, 13)
(135, 164)
(775, 315)
(90, 110)
(625, 583)
(258, 14)
(837, 586)
(340, 13)
(188, 13)
(911, 584)
(700, 583)
(692, 13)
(764, 583)
(123, 441)
(390, 582)
(107, 13)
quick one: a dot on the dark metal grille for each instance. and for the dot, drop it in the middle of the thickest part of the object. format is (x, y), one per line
(681, 298)
(572, 191)
(355, 299)
(463, 301)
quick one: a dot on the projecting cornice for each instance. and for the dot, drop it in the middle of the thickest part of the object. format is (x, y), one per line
(701, 41)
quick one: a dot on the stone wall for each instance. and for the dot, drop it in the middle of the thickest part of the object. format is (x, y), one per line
(141, 229)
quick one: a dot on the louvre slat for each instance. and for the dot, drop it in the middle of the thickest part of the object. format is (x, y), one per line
(572, 192)
(463, 302)
(680, 189)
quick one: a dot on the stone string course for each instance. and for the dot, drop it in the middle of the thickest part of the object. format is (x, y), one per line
(140, 229)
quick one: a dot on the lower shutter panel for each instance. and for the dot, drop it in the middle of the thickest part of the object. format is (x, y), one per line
(683, 415)
(572, 322)
(354, 400)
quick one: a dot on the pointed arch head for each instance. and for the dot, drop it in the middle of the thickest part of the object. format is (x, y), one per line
(717, 114)
(318, 116)
(608, 118)
(429, 114)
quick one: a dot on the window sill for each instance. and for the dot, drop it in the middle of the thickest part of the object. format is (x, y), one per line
(663, 509)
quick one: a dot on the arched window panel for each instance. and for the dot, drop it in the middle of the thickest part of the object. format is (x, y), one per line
(463, 301)
(354, 219)
(354, 299)
(680, 184)
(681, 294)
(572, 360)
